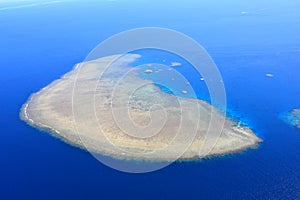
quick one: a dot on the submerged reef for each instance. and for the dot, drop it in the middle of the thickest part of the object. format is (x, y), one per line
(94, 116)
(292, 117)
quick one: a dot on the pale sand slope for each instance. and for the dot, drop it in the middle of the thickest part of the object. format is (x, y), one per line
(180, 127)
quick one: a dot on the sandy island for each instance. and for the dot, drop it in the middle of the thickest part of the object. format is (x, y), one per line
(50, 109)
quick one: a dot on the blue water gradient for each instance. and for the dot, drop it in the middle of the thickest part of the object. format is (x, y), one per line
(247, 40)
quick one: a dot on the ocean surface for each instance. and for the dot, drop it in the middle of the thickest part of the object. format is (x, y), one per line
(42, 40)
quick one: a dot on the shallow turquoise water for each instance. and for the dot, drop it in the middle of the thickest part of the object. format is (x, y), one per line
(40, 43)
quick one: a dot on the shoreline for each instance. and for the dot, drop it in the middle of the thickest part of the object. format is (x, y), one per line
(71, 140)
(56, 134)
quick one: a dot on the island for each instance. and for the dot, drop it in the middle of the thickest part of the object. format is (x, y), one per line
(91, 113)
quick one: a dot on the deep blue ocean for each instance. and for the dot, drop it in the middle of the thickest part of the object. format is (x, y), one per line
(39, 42)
